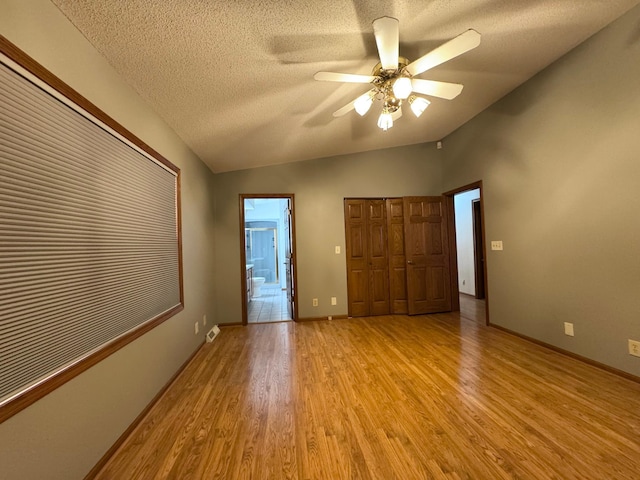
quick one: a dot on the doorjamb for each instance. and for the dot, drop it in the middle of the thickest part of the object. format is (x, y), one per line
(452, 242)
(243, 256)
(478, 250)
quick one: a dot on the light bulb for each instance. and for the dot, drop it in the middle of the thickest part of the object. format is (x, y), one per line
(363, 104)
(385, 122)
(418, 105)
(402, 87)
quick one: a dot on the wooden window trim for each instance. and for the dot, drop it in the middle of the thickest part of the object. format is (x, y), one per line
(30, 396)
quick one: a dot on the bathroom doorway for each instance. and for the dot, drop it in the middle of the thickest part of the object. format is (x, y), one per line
(267, 258)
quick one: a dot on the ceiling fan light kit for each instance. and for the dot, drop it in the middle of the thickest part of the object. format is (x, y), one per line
(363, 103)
(393, 77)
(385, 121)
(402, 87)
(418, 105)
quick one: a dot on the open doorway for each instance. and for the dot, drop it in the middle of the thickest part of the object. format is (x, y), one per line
(468, 233)
(267, 258)
(465, 240)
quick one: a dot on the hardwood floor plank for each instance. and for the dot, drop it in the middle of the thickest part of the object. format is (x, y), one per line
(429, 397)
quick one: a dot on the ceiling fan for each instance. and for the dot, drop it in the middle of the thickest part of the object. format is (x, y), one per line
(393, 78)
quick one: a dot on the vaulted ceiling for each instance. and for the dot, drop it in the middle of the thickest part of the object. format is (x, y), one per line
(235, 78)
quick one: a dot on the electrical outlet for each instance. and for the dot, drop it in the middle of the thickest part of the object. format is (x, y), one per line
(634, 348)
(204, 320)
(329, 317)
(315, 302)
(496, 244)
(196, 327)
(334, 301)
(568, 329)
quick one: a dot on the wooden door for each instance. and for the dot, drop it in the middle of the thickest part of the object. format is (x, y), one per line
(427, 254)
(478, 248)
(367, 260)
(377, 257)
(288, 260)
(356, 253)
(397, 267)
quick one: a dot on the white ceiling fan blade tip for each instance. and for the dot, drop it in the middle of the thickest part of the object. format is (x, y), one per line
(343, 77)
(473, 34)
(456, 46)
(445, 90)
(387, 33)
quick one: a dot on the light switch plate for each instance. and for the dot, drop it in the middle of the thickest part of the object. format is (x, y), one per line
(568, 329)
(496, 244)
(337, 249)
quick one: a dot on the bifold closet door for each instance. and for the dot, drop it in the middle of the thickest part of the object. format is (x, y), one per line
(427, 253)
(397, 259)
(367, 258)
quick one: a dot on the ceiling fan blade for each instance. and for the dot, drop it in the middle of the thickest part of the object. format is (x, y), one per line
(343, 77)
(387, 33)
(457, 46)
(445, 90)
(351, 105)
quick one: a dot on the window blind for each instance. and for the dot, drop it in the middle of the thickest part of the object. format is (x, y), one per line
(89, 235)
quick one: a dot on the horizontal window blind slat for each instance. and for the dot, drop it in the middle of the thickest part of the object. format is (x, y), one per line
(98, 314)
(55, 357)
(16, 290)
(44, 106)
(39, 182)
(40, 305)
(78, 157)
(76, 330)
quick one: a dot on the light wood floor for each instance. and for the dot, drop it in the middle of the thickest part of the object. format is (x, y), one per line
(391, 397)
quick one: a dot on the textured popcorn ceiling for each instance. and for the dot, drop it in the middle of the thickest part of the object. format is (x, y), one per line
(235, 78)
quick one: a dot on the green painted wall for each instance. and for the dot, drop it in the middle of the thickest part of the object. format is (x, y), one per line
(320, 187)
(560, 162)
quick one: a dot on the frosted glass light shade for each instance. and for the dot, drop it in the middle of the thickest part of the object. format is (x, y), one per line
(363, 104)
(418, 105)
(402, 87)
(385, 122)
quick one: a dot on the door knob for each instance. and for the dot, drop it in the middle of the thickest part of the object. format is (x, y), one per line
(409, 262)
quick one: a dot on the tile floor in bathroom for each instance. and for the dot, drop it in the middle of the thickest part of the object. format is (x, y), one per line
(270, 306)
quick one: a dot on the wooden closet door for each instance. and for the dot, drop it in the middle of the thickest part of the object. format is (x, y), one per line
(377, 257)
(356, 253)
(427, 253)
(367, 259)
(397, 267)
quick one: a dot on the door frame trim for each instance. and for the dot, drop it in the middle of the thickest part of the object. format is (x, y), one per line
(478, 253)
(453, 252)
(243, 256)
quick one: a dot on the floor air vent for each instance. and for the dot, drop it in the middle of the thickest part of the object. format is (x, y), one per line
(213, 333)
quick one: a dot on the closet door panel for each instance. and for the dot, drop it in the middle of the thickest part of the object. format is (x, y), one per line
(377, 258)
(427, 251)
(397, 260)
(356, 253)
